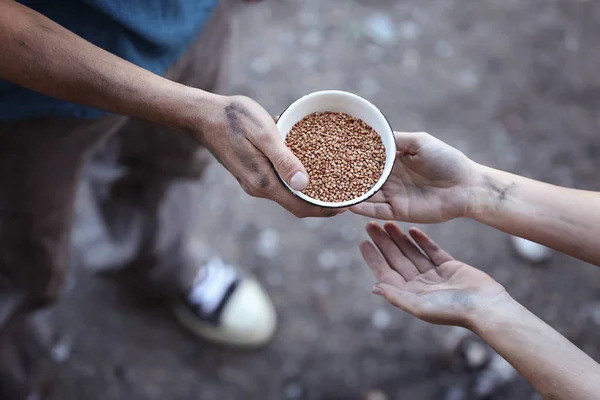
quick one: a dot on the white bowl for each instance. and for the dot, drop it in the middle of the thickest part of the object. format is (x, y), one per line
(351, 104)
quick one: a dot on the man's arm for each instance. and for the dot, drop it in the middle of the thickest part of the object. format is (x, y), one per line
(552, 364)
(37, 53)
(564, 219)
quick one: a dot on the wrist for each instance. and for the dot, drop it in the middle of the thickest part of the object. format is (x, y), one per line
(500, 311)
(487, 190)
(199, 113)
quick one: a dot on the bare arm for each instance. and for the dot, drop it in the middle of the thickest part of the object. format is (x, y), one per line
(41, 55)
(439, 289)
(433, 182)
(564, 219)
(550, 362)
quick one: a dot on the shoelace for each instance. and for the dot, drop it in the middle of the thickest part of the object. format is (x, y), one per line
(212, 283)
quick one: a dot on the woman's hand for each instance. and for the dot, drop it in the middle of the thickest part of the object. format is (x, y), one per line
(431, 182)
(432, 286)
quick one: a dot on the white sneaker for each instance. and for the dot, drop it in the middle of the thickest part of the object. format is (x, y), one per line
(228, 306)
(530, 251)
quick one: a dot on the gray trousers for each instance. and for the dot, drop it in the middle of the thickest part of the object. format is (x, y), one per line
(133, 185)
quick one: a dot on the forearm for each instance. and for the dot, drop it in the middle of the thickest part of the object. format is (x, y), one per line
(552, 364)
(565, 219)
(41, 55)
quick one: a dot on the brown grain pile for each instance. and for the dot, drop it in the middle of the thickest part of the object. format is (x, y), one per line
(343, 155)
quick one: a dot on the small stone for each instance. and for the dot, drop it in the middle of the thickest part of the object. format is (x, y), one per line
(455, 393)
(532, 252)
(293, 391)
(594, 312)
(261, 65)
(380, 28)
(498, 373)
(313, 223)
(61, 351)
(375, 394)
(369, 86)
(411, 60)
(444, 49)
(468, 79)
(308, 60)
(274, 278)
(476, 354)
(268, 243)
(312, 39)
(571, 43)
(328, 260)
(409, 30)
(381, 319)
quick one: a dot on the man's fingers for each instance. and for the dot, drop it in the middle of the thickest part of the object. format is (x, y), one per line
(379, 266)
(394, 256)
(431, 248)
(422, 263)
(285, 162)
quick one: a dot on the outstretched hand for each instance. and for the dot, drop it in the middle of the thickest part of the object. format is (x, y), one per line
(431, 182)
(432, 286)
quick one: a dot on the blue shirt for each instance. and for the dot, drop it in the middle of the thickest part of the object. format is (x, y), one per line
(150, 33)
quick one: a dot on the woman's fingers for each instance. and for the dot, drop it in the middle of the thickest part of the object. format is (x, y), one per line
(397, 297)
(431, 248)
(390, 251)
(378, 265)
(411, 251)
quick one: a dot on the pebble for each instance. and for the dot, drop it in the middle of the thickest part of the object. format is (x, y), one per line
(594, 312)
(62, 350)
(293, 391)
(328, 260)
(468, 79)
(532, 252)
(381, 319)
(411, 60)
(268, 243)
(261, 65)
(444, 49)
(455, 393)
(369, 86)
(313, 223)
(498, 373)
(410, 30)
(274, 278)
(375, 394)
(312, 39)
(380, 29)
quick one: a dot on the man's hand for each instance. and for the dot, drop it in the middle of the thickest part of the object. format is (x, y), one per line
(431, 182)
(433, 287)
(246, 141)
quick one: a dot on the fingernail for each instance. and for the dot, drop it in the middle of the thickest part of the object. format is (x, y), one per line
(299, 181)
(377, 290)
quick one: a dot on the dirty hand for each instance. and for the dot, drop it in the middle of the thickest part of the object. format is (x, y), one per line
(431, 182)
(246, 141)
(432, 286)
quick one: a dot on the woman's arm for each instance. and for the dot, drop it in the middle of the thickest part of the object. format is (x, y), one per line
(564, 219)
(439, 289)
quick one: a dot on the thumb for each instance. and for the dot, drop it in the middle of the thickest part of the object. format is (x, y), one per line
(287, 165)
(402, 299)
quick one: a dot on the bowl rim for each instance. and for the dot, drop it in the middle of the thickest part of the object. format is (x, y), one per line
(382, 178)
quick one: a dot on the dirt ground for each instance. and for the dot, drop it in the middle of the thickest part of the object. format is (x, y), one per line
(512, 83)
